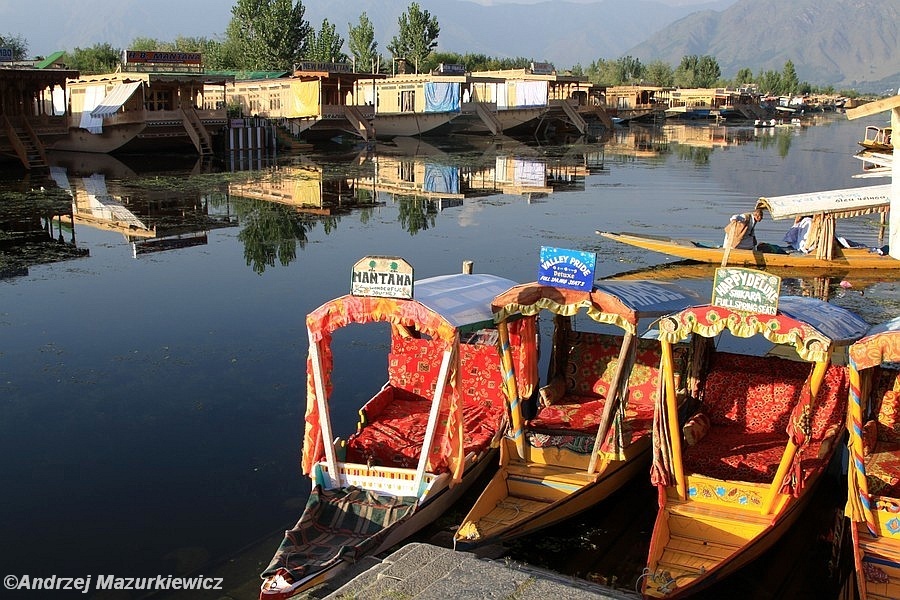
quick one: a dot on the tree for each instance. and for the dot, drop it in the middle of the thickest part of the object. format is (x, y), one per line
(790, 83)
(16, 43)
(269, 34)
(419, 31)
(769, 82)
(743, 77)
(99, 58)
(659, 73)
(327, 45)
(363, 46)
(697, 72)
(628, 69)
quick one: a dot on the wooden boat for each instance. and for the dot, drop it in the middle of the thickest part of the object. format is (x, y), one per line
(741, 441)
(877, 139)
(826, 207)
(591, 433)
(421, 440)
(873, 498)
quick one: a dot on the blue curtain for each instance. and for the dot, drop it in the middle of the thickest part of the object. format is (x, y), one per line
(441, 179)
(441, 97)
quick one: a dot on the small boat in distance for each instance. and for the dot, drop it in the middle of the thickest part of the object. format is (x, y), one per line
(827, 251)
(873, 496)
(877, 139)
(422, 440)
(592, 430)
(742, 441)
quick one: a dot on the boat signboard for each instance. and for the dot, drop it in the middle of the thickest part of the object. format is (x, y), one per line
(746, 290)
(570, 269)
(383, 277)
(6, 54)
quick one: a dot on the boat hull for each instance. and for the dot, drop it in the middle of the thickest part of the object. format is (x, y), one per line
(438, 501)
(714, 534)
(845, 258)
(524, 515)
(410, 124)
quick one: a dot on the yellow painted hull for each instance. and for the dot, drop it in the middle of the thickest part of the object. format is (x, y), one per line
(525, 496)
(717, 530)
(844, 258)
(880, 553)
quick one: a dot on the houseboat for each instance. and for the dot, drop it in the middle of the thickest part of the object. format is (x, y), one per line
(156, 101)
(647, 103)
(314, 102)
(33, 111)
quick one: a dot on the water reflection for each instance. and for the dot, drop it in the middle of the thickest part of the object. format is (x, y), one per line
(204, 392)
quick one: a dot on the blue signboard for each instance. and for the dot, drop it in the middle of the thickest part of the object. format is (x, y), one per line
(570, 269)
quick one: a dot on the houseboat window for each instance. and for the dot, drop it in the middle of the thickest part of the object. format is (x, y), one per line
(407, 171)
(408, 100)
(158, 100)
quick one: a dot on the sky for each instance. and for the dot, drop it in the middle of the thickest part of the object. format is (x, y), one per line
(51, 25)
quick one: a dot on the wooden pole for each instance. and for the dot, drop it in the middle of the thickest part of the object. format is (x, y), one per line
(613, 400)
(788, 457)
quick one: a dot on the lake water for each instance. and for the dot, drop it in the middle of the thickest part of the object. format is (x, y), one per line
(152, 392)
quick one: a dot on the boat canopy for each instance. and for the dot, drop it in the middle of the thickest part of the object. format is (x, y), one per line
(620, 303)
(880, 344)
(811, 326)
(114, 100)
(442, 308)
(840, 203)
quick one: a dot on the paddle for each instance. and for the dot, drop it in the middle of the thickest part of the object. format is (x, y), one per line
(727, 249)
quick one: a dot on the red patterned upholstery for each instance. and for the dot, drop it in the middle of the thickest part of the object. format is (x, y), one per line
(748, 400)
(590, 367)
(393, 423)
(883, 461)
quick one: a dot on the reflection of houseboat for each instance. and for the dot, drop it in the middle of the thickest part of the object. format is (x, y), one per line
(150, 219)
(32, 111)
(302, 187)
(148, 105)
(318, 101)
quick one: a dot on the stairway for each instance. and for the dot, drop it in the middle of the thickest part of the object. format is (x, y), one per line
(577, 121)
(197, 132)
(359, 122)
(489, 119)
(25, 142)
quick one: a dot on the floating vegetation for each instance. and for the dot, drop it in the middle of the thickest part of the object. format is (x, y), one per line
(27, 236)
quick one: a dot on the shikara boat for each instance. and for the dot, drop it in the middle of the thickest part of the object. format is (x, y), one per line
(592, 431)
(741, 442)
(421, 441)
(827, 252)
(877, 139)
(873, 499)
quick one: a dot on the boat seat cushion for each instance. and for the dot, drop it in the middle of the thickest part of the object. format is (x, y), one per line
(748, 401)
(590, 368)
(883, 470)
(393, 423)
(889, 417)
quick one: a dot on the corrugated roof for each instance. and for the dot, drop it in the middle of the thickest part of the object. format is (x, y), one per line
(49, 60)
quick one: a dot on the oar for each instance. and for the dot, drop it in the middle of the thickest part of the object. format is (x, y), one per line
(727, 249)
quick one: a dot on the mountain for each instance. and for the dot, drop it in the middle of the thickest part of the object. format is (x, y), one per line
(844, 43)
(851, 43)
(562, 32)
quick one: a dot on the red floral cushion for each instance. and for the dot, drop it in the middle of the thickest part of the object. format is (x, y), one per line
(395, 419)
(883, 470)
(749, 400)
(889, 417)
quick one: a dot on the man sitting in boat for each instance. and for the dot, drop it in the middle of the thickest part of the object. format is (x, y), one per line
(739, 233)
(796, 236)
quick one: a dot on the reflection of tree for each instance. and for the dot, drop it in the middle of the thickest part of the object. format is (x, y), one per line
(271, 231)
(699, 156)
(416, 214)
(781, 138)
